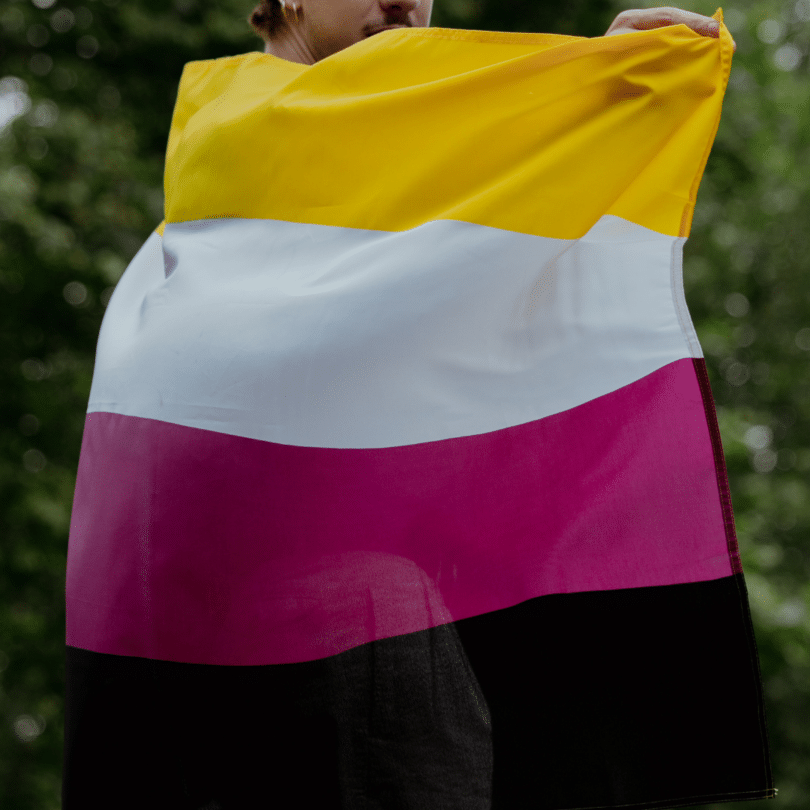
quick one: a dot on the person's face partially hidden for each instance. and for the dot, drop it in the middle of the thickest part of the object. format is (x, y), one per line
(329, 26)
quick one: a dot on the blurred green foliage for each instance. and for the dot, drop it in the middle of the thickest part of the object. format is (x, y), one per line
(86, 96)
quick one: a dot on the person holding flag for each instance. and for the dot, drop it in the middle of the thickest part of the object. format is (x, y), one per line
(401, 485)
(306, 31)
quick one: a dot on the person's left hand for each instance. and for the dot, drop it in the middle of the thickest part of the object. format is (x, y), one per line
(642, 19)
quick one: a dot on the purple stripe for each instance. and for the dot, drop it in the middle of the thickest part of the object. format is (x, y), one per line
(195, 546)
(719, 464)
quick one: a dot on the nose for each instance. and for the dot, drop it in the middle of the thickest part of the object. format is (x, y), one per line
(404, 6)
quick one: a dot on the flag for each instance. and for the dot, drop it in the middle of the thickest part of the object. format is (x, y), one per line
(400, 448)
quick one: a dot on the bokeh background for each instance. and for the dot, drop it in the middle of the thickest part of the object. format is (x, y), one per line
(87, 91)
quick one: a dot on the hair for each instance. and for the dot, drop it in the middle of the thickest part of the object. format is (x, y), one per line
(266, 18)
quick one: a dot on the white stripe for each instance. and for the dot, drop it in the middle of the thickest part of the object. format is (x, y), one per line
(333, 337)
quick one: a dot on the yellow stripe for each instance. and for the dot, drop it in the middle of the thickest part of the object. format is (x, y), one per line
(534, 133)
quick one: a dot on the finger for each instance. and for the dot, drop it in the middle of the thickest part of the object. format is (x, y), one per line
(659, 17)
(645, 19)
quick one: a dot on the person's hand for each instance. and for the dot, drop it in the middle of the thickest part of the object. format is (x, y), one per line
(642, 19)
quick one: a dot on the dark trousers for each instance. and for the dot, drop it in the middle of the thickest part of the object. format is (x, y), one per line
(397, 724)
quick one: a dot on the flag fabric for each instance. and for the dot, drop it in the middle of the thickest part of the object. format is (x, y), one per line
(401, 484)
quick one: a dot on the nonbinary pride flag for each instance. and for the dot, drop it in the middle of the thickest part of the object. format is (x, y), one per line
(409, 363)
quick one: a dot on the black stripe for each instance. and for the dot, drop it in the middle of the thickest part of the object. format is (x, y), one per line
(648, 697)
